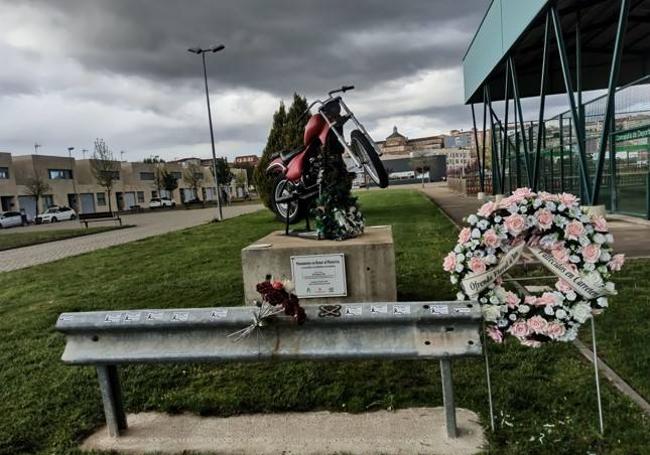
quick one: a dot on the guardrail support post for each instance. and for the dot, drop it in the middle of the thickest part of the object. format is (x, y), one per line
(109, 384)
(448, 397)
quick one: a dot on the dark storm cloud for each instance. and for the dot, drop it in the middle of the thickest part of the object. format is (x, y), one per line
(277, 46)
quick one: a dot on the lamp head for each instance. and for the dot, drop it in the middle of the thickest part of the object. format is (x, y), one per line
(217, 48)
(195, 50)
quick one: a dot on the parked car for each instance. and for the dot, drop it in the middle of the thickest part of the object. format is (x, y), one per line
(9, 219)
(161, 202)
(54, 214)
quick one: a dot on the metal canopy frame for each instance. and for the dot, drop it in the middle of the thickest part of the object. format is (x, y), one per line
(572, 75)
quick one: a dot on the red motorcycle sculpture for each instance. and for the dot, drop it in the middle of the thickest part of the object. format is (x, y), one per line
(298, 173)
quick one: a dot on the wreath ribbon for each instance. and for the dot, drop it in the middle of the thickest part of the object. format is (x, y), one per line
(474, 284)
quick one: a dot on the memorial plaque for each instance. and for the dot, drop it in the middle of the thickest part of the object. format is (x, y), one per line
(319, 275)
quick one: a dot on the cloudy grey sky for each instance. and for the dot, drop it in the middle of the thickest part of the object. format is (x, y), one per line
(74, 70)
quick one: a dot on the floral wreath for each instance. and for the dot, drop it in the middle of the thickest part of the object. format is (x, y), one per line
(573, 245)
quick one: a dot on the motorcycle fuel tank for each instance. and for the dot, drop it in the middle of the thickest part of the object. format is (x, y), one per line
(316, 127)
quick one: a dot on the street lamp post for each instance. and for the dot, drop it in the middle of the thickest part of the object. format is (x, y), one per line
(74, 185)
(201, 52)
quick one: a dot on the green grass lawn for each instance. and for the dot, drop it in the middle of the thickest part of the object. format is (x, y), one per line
(18, 239)
(545, 399)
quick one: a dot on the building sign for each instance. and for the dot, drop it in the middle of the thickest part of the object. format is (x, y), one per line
(319, 275)
(630, 135)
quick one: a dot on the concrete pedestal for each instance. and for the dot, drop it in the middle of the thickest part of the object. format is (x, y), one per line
(369, 264)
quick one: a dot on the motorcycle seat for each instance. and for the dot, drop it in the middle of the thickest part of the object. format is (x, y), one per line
(287, 155)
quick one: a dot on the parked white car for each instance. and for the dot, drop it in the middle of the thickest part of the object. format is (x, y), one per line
(54, 214)
(161, 202)
(10, 219)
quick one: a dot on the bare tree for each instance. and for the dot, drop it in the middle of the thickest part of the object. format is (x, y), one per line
(193, 176)
(419, 163)
(104, 168)
(159, 175)
(37, 186)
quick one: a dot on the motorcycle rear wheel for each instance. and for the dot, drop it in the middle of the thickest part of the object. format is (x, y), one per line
(367, 155)
(297, 209)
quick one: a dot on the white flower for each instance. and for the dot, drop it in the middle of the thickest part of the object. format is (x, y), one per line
(595, 277)
(537, 203)
(476, 233)
(472, 219)
(458, 249)
(602, 302)
(561, 208)
(288, 286)
(589, 267)
(605, 256)
(495, 300)
(454, 279)
(512, 317)
(560, 314)
(611, 287)
(491, 259)
(584, 240)
(513, 208)
(460, 296)
(459, 268)
(483, 300)
(460, 258)
(502, 323)
(551, 206)
(570, 335)
(581, 312)
(559, 220)
(548, 309)
(483, 225)
(575, 259)
(497, 219)
(523, 209)
(523, 309)
(491, 313)
(571, 296)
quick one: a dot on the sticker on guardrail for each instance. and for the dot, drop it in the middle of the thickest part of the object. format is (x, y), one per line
(399, 310)
(132, 317)
(440, 309)
(155, 316)
(375, 309)
(65, 317)
(220, 313)
(462, 310)
(180, 316)
(352, 310)
(113, 317)
(329, 311)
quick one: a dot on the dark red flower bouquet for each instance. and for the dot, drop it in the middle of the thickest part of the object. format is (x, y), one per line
(280, 293)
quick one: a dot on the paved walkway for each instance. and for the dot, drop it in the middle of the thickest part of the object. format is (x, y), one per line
(632, 236)
(146, 225)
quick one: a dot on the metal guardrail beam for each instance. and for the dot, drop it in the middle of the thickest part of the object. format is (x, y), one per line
(413, 330)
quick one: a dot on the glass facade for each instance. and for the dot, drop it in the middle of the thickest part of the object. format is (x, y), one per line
(60, 174)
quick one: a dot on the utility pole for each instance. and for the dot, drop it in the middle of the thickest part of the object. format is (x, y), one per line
(74, 183)
(36, 147)
(201, 52)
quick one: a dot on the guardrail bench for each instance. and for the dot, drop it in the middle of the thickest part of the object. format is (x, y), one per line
(414, 330)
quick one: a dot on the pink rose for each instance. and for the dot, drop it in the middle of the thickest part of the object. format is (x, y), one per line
(449, 264)
(523, 193)
(487, 209)
(530, 300)
(574, 230)
(515, 224)
(544, 219)
(277, 284)
(531, 343)
(512, 299)
(600, 224)
(490, 239)
(547, 197)
(563, 286)
(495, 334)
(617, 262)
(546, 298)
(477, 265)
(555, 330)
(568, 199)
(591, 253)
(560, 254)
(537, 324)
(465, 235)
(519, 329)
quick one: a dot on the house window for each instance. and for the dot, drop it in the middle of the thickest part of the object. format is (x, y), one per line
(101, 198)
(154, 193)
(140, 197)
(4, 173)
(48, 199)
(146, 175)
(177, 175)
(60, 174)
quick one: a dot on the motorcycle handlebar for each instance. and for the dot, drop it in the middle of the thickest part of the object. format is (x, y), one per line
(343, 89)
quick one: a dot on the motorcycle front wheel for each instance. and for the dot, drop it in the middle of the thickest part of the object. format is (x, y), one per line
(297, 210)
(367, 156)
